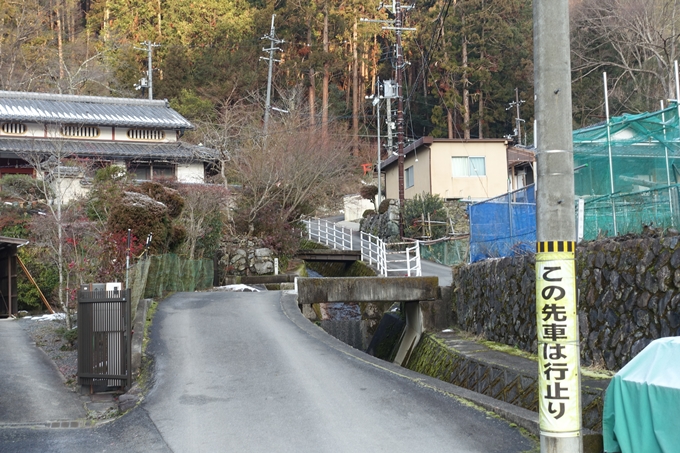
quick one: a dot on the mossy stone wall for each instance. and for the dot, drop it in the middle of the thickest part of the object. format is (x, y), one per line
(629, 292)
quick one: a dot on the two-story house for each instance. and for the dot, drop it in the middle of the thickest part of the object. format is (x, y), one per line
(473, 170)
(137, 134)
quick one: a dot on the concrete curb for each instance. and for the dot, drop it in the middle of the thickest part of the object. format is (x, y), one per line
(513, 414)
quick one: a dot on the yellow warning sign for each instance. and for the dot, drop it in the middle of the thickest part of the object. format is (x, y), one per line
(558, 349)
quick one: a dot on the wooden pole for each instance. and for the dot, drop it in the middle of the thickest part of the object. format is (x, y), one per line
(30, 277)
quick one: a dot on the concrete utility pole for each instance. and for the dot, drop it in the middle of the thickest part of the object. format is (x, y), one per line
(557, 326)
(398, 12)
(149, 73)
(272, 42)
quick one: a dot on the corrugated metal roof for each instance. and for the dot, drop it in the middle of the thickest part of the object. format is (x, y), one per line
(89, 110)
(107, 150)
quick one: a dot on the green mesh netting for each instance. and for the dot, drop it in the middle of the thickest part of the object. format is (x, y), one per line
(642, 152)
(631, 212)
(447, 253)
(170, 273)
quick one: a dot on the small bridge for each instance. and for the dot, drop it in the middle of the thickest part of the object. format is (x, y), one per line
(346, 256)
(401, 258)
(410, 292)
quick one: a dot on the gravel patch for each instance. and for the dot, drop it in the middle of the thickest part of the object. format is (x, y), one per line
(44, 331)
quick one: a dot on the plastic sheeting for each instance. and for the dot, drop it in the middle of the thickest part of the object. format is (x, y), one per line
(642, 403)
(503, 226)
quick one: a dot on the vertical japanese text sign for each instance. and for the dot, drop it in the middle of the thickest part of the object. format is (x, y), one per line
(558, 349)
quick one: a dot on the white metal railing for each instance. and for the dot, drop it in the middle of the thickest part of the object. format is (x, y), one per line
(400, 258)
(329, 234)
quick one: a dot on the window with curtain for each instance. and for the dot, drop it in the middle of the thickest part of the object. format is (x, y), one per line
(477, 166)
(468, 166)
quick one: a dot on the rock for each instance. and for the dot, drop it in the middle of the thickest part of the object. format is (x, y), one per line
(263, 252)
(264, 268)
(127, 401)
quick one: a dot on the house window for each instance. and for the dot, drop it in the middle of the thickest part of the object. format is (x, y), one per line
(468, 166)
(152, 171)
(146, 134)
(79, 131)
(14, 128)
(408, 176)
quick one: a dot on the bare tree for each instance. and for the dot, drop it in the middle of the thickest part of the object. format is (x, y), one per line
(635, 41)
(292, 171)
(59, 179)
(204, 206)
(22, 44)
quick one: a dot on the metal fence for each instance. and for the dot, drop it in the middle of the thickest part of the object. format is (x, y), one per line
(329, 234)
(400, 258)
(104, 334)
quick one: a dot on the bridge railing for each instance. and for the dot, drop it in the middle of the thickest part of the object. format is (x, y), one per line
(396, 258)
(329, 234)
(400, 258)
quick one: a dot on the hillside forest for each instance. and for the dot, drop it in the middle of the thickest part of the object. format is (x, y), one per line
(465, 60)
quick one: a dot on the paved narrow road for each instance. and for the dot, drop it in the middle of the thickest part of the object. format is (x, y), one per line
(244, 372)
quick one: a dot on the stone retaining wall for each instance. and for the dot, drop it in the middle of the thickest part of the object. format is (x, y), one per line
(629, 290)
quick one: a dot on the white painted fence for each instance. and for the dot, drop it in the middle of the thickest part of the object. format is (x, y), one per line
(390, 259)
(329, 234)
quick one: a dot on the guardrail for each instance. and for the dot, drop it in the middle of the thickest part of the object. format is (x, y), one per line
(396, 258)
(401, 258)
(329, 234)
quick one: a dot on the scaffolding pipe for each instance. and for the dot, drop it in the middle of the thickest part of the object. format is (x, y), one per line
(668, 169)
(609, 148)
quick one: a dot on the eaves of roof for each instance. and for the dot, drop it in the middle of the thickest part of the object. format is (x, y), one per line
(89, 110)
(107, 150)
(423, 141)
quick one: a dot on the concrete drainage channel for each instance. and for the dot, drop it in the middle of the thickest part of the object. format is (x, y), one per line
(501, 382)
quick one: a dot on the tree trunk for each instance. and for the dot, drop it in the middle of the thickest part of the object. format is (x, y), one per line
(449, 122)
(60, 45)
(466, 93)
(355, 90)
(312, 85)
(326, 77)
(481, 114)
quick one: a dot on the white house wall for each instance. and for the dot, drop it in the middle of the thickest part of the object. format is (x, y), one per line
(36, 130)
(191, 172)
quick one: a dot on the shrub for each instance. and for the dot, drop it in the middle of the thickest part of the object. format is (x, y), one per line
(169, 197)
(142, 215)
(23, 187)
(421, 207)
(384, 206)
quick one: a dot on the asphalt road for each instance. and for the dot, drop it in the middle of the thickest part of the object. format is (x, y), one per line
(244, 372)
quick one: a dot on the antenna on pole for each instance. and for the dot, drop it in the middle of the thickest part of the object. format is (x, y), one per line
(272, 42)
(148, 81)
(398, 12)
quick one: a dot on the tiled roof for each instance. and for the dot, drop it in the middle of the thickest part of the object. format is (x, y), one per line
(107, 150)
(89, 110)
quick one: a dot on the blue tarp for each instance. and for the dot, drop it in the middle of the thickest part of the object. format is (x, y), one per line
(503, 226)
